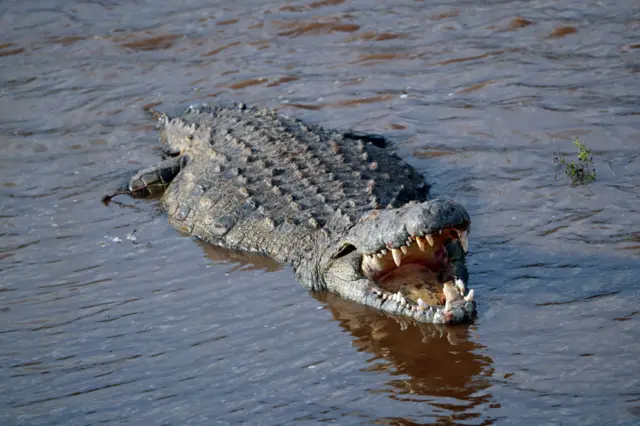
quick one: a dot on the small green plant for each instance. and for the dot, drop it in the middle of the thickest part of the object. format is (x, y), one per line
(581, 171)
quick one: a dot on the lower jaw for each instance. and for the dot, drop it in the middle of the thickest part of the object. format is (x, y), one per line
(414, 290)
(415, 282)
(463, 311)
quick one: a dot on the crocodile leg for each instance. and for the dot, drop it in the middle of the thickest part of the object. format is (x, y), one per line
(149, 181)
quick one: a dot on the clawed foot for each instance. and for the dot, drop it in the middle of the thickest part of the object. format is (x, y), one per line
(106, 198)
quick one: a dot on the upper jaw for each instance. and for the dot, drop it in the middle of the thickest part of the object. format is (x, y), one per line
(392, 229)
(416, 233)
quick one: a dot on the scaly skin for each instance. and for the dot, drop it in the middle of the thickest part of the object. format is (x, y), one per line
(339, 207)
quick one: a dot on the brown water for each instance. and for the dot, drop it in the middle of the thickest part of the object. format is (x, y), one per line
(97, 328)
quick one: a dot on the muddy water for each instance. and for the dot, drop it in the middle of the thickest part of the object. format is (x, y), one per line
(101, 324)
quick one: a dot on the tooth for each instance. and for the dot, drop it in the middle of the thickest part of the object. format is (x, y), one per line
(397, 255)
(383, 251)
(464, 240)
(384, 296)
(460, 285)
(420, 242)
(410, 238)
(429, 239)
(404, 249)
(376, 292)
(380, 255)
(469, 297)
(422, 306)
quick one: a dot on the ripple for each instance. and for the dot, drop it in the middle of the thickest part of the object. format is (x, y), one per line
(298, 29)
(519, 22)
(10, 52)
(221, 48)
(376, 36)
(159, 42)
(561, 32)
(247, 83)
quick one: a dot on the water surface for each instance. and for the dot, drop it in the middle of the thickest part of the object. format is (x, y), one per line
(108, 315)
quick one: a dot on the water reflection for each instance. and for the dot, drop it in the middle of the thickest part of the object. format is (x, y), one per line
(425, 361)
(444, 366)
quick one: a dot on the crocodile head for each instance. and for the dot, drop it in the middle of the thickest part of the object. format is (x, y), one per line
(408, 260)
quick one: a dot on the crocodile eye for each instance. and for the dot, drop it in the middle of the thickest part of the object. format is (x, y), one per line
(344, 250)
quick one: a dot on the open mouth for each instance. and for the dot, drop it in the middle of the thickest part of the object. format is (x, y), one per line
(419, 274)
(415, 261)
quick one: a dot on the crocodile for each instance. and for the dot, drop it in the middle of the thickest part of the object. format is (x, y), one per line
(346, 212)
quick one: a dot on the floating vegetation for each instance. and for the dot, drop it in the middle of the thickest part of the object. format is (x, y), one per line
(582, 171)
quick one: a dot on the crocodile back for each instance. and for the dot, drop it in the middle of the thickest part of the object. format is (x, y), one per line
(257, 180)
